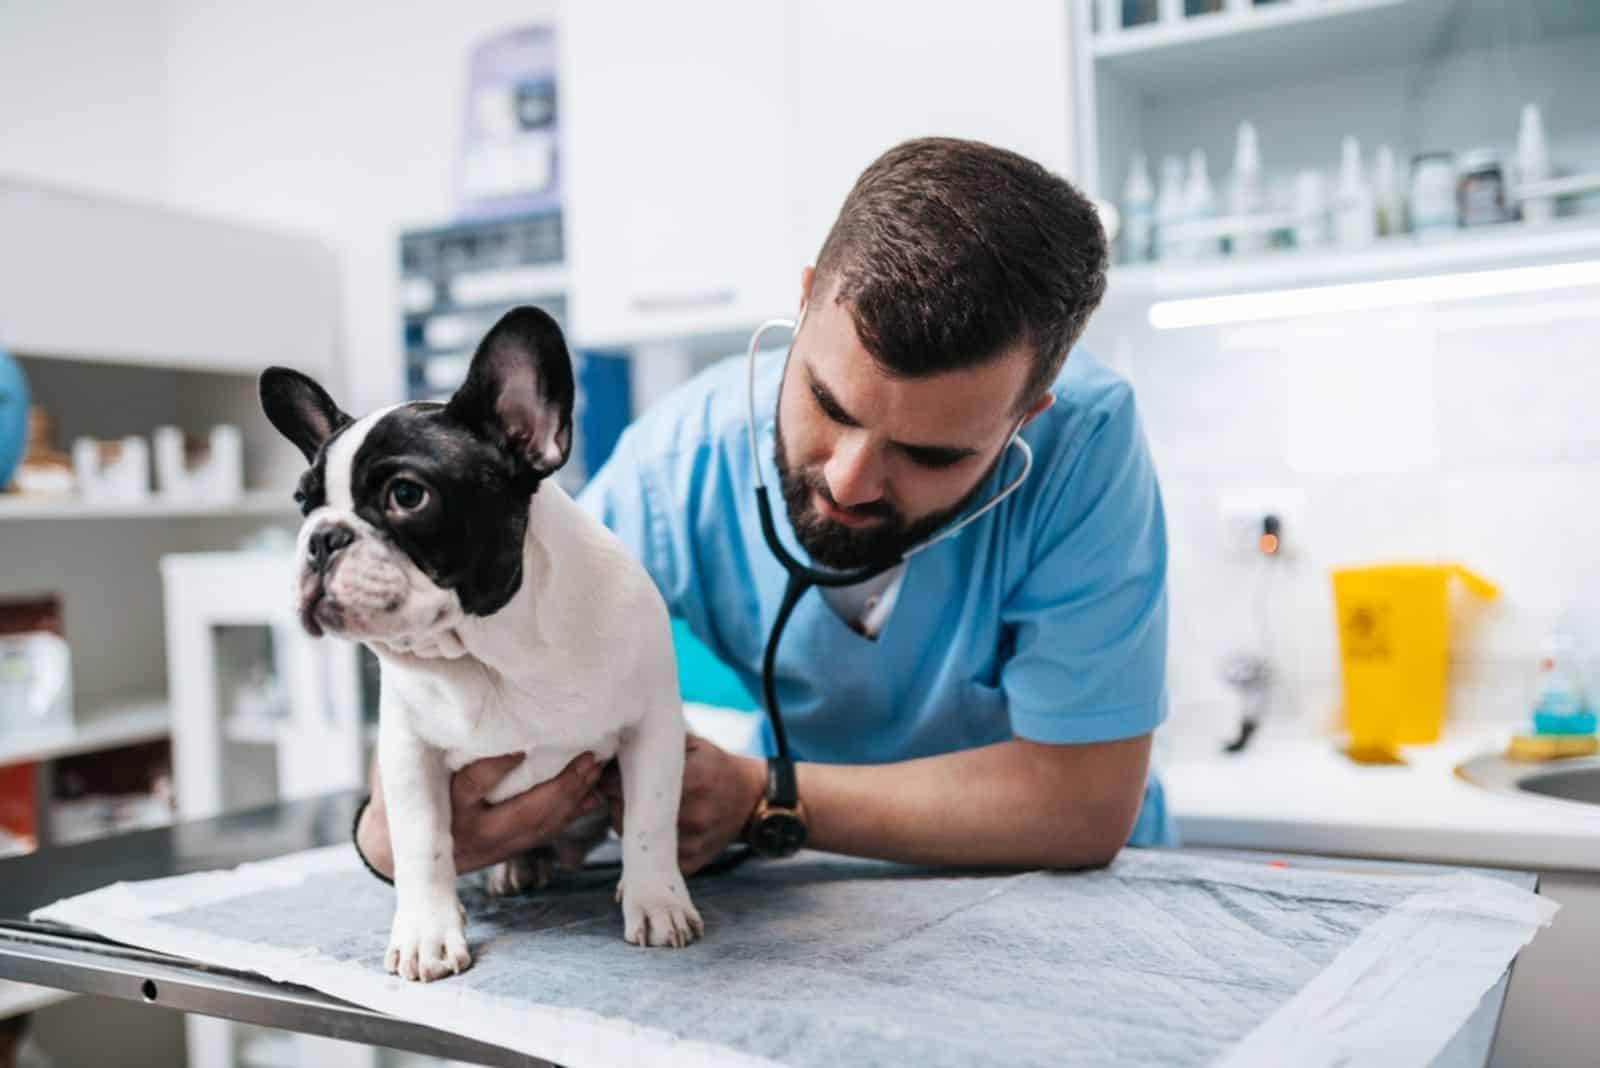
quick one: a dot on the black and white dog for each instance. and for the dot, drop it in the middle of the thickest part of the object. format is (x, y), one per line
(504, 618)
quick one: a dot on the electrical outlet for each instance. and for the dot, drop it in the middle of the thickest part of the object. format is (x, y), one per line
(1242, 511)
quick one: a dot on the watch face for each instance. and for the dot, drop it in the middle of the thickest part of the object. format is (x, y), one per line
(778, 834)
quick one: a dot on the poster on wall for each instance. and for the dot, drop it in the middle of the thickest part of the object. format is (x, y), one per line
(509, 160)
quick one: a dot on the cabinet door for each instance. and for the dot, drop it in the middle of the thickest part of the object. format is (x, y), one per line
(865, 76)
(674, 168)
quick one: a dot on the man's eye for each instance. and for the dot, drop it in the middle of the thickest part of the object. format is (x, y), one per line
(934, 460)
(830, 409)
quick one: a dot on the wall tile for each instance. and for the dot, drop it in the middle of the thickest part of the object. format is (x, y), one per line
(1465, 432)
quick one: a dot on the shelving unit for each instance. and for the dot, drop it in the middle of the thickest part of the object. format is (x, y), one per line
(109, 725)
(266, 503)
(126, 317)
(1297, 40)
(1402, 256)
(1415, 75)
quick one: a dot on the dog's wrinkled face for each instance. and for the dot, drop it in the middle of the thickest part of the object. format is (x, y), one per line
(415, 515)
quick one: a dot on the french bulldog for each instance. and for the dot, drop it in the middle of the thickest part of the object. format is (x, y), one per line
(504, 618)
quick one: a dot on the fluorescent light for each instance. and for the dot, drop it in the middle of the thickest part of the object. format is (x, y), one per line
(1360, 296)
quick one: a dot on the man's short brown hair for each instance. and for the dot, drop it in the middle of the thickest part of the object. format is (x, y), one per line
(947, 253)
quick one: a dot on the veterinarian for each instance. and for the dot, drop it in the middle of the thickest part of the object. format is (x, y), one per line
(990, 699)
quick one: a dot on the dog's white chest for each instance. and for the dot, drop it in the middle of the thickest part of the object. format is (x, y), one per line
(469, 711)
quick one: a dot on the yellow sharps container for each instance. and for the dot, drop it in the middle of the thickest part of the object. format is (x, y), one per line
(1394, 650)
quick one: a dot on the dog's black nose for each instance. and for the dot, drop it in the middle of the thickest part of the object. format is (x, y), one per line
(325, 543)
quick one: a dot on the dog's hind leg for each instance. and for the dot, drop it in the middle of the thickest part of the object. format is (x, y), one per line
(532, 870)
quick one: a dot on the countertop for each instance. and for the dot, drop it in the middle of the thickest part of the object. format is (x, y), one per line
(1296, 792)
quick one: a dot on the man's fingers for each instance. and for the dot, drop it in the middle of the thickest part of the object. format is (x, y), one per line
(543, 809)
(472, 783)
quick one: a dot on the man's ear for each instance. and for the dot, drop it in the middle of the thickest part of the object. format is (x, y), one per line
(1037, 408)
(300, 409)
(519, 391)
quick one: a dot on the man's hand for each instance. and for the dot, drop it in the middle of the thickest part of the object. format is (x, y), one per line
(485, 834)
(720, 790)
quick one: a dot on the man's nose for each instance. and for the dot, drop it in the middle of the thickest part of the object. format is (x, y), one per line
(854, 472)
(325, 543)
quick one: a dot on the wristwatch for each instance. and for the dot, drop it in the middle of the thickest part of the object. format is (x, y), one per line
(777, 827)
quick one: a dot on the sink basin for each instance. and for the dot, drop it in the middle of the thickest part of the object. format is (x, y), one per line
(1575, 780)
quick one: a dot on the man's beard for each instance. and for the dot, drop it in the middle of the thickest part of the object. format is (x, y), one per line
(841, 548)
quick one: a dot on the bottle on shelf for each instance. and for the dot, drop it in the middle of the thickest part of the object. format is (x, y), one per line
(1200, 204)
(1386, 194)
(1355, 220)
(1169, 209)
(1533, 164)
(1138, 213)
(1310, 210)
(1433, 194)
(1245, 196)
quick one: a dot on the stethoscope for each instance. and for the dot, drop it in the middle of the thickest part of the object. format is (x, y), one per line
(778, 828)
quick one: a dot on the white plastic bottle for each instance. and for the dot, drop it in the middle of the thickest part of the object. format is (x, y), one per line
(1533, 164)
(1355, 218)
(1169, 209)
(1245, 196)
(1556, 690)
(1386, 194)
(1138, 213)
(1200, 204)
(1310, 210)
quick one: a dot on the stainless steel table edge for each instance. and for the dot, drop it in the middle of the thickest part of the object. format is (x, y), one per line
(67, 962)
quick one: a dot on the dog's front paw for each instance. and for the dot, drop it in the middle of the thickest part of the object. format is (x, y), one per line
(656, 911)
(428, 943)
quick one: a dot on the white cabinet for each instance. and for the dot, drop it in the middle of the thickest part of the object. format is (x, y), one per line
(708, 144)
(84, 276)
(673, 166)
(866, 76)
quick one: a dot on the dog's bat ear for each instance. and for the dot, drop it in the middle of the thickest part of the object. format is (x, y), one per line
(519, 391)
(301, 410)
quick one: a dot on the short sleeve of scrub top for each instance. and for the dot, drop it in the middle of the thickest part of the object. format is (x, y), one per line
(1089, 616)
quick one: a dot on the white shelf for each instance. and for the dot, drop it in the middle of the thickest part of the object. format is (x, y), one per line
(105, 726)
(258, 731)
(18, 998)
(1511, 244)
(252, 503)
(1287, 40)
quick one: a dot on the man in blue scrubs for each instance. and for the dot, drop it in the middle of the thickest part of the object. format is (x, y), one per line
(991, 700)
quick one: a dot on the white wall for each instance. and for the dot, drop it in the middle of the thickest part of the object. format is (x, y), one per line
(339, 119)
(1465, 432)
(335, 119)
(84, 98)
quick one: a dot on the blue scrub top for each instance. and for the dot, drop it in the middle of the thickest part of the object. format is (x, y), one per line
(1045, 619)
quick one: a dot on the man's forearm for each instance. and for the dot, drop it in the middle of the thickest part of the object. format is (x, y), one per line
(1014, 804)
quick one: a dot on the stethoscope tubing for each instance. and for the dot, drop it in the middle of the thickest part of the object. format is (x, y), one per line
(802, 577)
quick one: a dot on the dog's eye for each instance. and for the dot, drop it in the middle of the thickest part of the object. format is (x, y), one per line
(406, 495)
